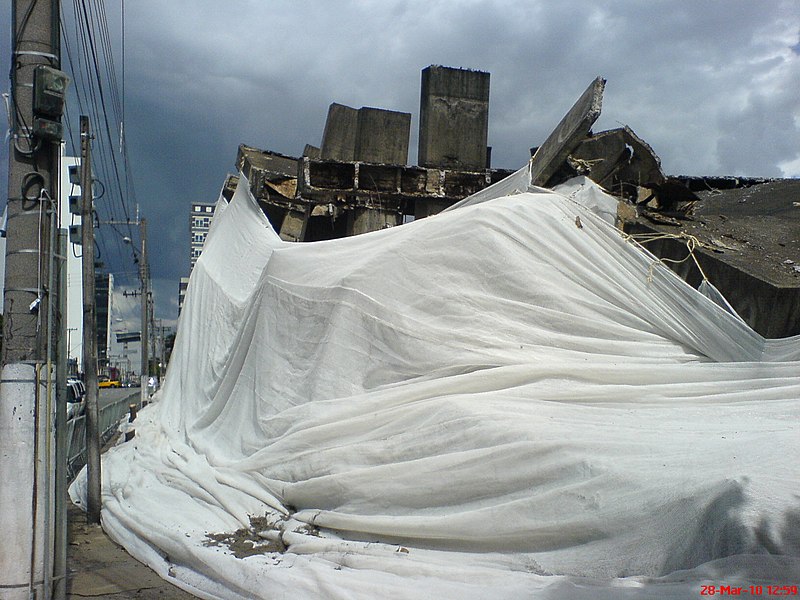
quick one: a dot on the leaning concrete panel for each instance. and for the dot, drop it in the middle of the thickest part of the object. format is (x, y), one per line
(311, 151)
(570, 132)
(382, 136)
(339, 137)
(454, 118)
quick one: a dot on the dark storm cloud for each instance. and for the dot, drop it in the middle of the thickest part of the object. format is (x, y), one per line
(712, 86)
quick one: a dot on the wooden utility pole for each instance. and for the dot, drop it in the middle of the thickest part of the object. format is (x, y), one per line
(26, 436)
(89, 331)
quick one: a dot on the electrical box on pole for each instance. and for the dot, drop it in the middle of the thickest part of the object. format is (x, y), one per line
(76, 234)
(49, 90)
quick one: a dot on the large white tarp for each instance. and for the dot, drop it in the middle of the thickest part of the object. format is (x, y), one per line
(506, 400)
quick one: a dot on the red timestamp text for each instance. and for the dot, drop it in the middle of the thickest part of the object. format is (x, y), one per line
(749, 590)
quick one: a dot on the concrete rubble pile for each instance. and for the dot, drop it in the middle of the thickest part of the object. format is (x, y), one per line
(358, 182)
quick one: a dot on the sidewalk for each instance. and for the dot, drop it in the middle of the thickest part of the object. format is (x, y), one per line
(99, 568)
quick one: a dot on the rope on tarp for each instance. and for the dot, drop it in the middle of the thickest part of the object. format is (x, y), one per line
(692, 243)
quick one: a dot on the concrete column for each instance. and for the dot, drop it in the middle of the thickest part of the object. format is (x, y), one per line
(454, 118)
(339, 138)
(364, 220)
(293, 228)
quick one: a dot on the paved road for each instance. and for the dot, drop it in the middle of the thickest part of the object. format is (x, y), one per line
(110, 395)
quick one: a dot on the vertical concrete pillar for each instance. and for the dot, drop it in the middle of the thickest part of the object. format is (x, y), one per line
(293, 228)
(339, 137)
(454, 118)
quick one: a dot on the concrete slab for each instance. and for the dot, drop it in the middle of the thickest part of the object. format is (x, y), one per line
(749, 238)
(568, 134)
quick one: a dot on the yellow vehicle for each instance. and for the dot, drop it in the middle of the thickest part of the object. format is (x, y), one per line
(105, 382)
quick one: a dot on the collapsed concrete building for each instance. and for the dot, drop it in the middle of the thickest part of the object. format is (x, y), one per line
(358, 180)
(742, 234)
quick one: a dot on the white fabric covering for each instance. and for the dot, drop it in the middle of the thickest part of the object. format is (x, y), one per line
(498, 401)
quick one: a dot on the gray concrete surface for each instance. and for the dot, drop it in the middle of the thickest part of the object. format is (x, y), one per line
(99, 568)
(453, 118)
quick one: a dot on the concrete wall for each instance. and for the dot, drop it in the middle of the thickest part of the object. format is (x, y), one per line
(339, 137)
(773, 311)
(367, 134)
(454, 118)
(382, 136)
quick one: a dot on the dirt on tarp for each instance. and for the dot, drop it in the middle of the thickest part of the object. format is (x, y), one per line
(264, 536)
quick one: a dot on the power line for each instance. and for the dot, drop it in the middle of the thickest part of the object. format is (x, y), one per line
(91, 59)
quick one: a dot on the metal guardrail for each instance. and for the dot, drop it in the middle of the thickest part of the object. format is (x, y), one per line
(109, 418)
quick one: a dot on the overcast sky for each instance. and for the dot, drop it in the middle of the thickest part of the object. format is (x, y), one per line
(712, 86)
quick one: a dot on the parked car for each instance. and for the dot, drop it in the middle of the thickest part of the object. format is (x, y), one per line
(76, 391)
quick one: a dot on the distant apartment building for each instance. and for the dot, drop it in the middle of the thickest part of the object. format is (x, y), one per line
(104, 306)
(200, 220)
(182, 287)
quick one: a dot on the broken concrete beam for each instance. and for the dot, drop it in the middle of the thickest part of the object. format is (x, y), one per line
(229, 187)
(569, 133)
(327, 180)
(748, 243)
(271, 163)
(268, 173)
(619, 160)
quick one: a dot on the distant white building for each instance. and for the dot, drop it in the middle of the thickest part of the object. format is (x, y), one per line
(74, 258)
(182, 287)
(199, 222)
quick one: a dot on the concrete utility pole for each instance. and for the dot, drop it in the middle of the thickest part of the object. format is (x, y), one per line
(145, 311)
(89, 331)
(26, 384)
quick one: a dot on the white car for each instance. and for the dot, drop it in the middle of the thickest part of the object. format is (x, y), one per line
(76, 390)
